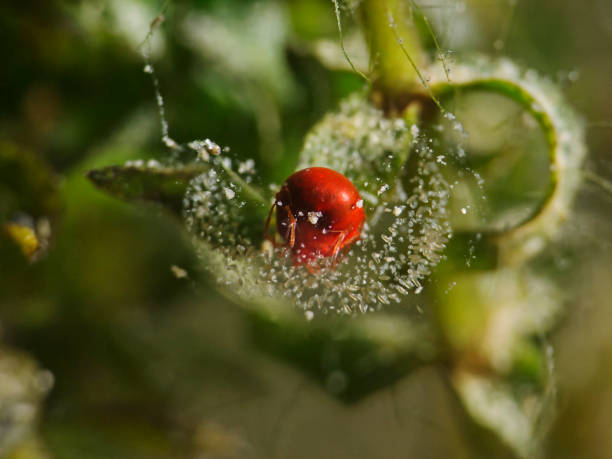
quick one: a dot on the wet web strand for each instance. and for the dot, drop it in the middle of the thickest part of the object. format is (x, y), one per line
(341, 35)
(145, 51)
(415, 67)
(431, 33)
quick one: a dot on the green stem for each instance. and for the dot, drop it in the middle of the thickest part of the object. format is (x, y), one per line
(395, 46)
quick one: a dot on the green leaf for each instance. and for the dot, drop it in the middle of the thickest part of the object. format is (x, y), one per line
(165, 185)
(493, 323)
(490, 317)
(350, 356)
(518, 418)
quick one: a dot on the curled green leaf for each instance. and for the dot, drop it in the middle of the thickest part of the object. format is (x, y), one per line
(564, 135)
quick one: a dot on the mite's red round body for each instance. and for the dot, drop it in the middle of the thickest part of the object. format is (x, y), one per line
(323, 209)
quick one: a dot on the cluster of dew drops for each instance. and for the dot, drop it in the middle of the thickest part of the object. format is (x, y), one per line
(406, 230)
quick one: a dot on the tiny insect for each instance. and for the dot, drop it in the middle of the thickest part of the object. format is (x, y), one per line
(319, 212)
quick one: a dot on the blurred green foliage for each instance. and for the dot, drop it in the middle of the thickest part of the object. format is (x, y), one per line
(147, 364)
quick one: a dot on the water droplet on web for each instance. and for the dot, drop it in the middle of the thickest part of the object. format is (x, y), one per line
(458, 126)
(246, 167)
(170, 143)
(383, 188)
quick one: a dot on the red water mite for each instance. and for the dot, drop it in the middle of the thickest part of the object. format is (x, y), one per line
(319, 212)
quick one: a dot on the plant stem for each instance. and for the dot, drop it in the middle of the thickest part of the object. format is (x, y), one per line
(394, 46)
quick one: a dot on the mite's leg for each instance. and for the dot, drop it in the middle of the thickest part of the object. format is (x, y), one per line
(292, 226)
(266, 235)
(338, 246)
